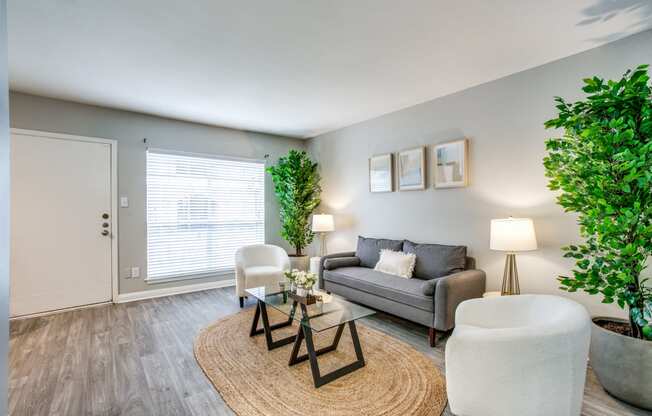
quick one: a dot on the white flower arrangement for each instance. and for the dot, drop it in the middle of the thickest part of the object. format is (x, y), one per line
(301, 278)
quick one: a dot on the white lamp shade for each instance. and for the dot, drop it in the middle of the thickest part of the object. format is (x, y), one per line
(322, 223)
(513, 234)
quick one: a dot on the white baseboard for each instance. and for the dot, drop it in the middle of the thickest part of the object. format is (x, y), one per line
(48, 313)
(169, 291)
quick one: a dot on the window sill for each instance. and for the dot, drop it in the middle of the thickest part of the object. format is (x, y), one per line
(161, 280)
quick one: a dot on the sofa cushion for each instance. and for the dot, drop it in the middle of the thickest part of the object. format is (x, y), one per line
(368, 250)
(436, 260)
(398, 289)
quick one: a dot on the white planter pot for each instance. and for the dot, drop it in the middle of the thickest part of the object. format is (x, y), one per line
(299, 263)
(623, 364)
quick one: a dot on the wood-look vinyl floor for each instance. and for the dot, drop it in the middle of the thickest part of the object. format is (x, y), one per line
(137, 359)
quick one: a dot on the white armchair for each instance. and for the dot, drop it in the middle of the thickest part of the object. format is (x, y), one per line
(518, 355)
(259, 265)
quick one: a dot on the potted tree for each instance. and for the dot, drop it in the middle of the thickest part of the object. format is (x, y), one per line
(296, 185)
(603, 167)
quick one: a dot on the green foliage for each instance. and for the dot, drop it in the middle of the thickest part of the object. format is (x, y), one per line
(603, 167)
(296, 185)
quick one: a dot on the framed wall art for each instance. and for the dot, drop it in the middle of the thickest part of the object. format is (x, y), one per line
(412, 169)
(451, 164)
(381, 173)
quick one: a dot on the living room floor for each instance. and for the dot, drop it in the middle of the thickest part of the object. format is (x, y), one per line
(137, 359)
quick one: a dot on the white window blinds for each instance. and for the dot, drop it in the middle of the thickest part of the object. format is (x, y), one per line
(200, 210)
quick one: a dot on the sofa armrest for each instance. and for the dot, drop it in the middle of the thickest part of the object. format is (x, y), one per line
(327, 257)
(451, 291)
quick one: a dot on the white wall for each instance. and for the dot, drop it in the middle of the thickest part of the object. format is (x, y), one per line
(129, 129)
(504, 121)
(4, 211)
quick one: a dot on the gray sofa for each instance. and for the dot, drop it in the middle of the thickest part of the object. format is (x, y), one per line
(443, 278)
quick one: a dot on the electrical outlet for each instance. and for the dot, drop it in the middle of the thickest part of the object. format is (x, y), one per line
(124, 202)
(135, 272)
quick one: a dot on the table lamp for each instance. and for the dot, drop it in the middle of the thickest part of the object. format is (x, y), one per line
(512, 235)
(322, 224)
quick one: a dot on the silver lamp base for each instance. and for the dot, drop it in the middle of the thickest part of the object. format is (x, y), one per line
(322, 245)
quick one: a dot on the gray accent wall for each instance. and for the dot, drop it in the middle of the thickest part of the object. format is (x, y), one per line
(4, 211)
(503, 120)
(129, 129)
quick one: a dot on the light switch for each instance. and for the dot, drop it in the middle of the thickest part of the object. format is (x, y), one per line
(124, 202)
(135, 272)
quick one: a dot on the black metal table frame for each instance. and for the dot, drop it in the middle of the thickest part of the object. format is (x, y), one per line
(305, 334)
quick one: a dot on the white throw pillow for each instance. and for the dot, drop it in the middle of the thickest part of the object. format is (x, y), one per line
(396, 263)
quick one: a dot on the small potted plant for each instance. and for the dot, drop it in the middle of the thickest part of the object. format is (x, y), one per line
(603, 167)
(296, 185)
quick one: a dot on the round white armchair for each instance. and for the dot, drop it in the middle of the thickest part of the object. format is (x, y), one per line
(259, 265)
(517, 356)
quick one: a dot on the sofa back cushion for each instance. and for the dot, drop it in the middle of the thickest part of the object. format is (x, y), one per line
(368, 250)
(436, 260)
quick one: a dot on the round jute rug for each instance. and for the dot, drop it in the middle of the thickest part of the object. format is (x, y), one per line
(397, 379)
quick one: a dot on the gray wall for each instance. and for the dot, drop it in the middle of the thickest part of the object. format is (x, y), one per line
(504, 121)
(4, 211)
(129, 129)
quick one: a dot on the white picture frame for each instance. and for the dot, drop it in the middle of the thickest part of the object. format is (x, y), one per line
(451, 164)
(412, 169)
(381, 173)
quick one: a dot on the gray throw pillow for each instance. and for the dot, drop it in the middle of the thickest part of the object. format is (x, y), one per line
(368, 250)
(436, 260)
(337, 262)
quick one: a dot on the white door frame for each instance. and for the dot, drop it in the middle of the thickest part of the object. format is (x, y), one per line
(114, 191)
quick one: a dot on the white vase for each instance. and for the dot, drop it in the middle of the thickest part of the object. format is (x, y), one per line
(301, 291)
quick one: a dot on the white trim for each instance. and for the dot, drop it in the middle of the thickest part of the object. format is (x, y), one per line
(51, 135)
(56, 311)
(114, 222)
(169, 291)
(114, 191)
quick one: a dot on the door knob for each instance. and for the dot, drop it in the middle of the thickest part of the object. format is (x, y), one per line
(105, 225)
(105, 233)
(105, 216)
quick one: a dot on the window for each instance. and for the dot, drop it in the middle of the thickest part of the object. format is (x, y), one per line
(200, 210)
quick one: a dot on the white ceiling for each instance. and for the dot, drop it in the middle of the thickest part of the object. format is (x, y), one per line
(293, 67)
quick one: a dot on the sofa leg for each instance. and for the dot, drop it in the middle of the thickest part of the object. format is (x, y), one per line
(242, 301)
(432, 334)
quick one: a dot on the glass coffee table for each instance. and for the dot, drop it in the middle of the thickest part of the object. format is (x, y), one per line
(330, 312)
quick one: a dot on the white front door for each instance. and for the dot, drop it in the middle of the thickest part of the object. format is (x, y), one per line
(60, 223)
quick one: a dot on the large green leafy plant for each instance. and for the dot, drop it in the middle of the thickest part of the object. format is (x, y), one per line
(603, 167)
(296, 184)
